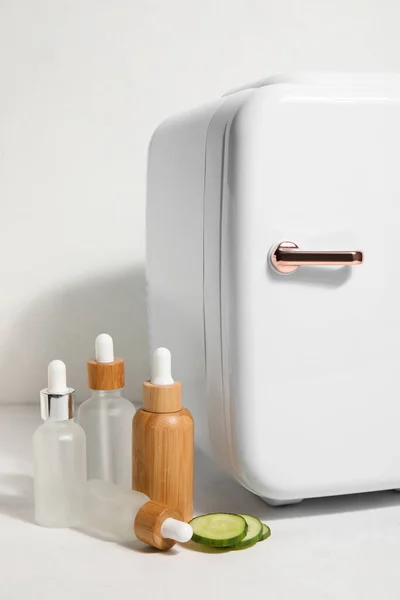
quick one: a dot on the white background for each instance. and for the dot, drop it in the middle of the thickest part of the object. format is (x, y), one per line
(83, 83)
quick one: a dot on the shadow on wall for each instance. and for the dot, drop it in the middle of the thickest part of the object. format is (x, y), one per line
(63, 324)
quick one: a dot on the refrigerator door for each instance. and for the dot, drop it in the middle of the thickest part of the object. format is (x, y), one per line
(308, 361)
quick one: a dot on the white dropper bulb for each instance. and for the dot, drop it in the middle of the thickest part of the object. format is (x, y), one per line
(161, 374)
(172, 529)
(57, 378)
(104, 348)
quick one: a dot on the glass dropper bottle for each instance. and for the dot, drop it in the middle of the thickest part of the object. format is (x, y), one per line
(119, 514)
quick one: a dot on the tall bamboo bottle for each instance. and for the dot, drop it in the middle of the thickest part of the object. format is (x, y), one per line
(163, 441)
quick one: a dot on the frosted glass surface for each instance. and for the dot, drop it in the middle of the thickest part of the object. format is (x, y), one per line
(109, 511)
(60, 473)
(107, 420)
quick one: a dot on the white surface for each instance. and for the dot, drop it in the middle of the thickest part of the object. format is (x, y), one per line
(345, 547)
(83, 85)
(104, 348)
(161, 372)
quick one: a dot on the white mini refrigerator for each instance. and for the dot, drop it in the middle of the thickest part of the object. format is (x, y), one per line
(273, 217)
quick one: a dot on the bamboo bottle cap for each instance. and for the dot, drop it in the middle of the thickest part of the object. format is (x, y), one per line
(162, 399)
(149, 523)
(105, 372)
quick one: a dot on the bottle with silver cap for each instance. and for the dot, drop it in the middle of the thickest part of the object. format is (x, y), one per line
(59, 447)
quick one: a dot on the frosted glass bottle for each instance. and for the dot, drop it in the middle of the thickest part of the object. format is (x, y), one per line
(107, 420)
(107, 417)
(122, 515)
(59, 451)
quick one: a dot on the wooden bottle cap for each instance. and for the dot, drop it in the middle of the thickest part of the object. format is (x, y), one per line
(162, 398)
(148, 522)
(106, 376)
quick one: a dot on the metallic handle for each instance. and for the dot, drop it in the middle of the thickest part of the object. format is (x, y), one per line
(286, 257)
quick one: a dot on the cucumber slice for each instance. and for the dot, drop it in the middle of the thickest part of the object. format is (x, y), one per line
(266, 532)
(254, 532)
(219, 529)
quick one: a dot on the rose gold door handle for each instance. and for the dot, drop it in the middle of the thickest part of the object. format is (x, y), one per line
(286, 257)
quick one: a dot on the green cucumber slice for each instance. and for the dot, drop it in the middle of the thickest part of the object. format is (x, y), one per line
(253, 535)
(219, 529)
(266, 532)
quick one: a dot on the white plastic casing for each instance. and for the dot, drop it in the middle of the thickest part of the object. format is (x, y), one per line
(292, 380)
